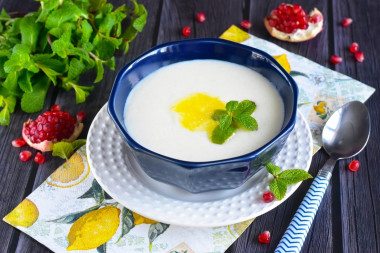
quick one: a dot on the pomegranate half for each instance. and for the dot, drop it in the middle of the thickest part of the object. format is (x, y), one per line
(51, 127)
(291, 23)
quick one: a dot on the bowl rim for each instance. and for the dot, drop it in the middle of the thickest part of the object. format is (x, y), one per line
(188, 164)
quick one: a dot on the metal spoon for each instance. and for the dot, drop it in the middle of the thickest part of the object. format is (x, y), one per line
(345, 134)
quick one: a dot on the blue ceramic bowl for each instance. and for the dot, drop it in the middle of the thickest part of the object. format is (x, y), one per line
(213, 175)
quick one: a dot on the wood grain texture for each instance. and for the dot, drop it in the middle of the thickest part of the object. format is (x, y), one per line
(348, 218)
(360, 191)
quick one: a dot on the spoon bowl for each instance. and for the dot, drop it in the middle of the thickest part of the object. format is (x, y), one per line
(347, 131)
(345, 134)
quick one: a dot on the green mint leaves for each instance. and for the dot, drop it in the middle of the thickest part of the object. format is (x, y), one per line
(281, 180)
(58, 43)
(237, 115)
(66, 149)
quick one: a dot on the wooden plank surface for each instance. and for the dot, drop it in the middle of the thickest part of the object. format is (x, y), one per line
(348, 218)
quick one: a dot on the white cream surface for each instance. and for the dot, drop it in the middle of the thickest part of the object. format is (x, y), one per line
(151, 122)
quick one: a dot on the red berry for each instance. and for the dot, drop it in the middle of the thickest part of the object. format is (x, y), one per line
(186, 31)
(201, 17)
(264, 237)
(80, 116)
(315, 18)
(346, 22)
(359, 56)
(354, 47)
(55, 108)
(18, 142)
(296, 8)
(245, 24)
(25, 155)
(354, 165)
(39, 158)
(335, 59)
(268, 196)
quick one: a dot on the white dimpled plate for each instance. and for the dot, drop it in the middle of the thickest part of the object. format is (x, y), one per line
(116, 170)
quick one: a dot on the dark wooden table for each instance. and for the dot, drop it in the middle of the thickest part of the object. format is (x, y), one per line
(348, 219)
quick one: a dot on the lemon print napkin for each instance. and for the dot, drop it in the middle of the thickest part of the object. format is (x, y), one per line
(71, 212)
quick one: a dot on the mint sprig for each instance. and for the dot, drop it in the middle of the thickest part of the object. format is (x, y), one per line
(58, 43)
(237, 115)
(281, 180)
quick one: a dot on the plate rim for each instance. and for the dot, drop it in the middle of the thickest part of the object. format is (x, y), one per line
(209, 224)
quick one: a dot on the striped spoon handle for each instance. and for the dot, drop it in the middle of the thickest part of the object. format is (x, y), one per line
(296, 233)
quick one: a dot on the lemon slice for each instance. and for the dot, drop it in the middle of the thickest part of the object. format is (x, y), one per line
(71, 173)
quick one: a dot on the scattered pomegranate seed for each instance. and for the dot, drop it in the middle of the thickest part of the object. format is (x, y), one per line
(354, 165)
(25, 155)
(201, 17)
(186, 31)
(346, 22)
(335, 59)
(268, 196)
(264, 237)
(55, 108)
(245, 24)
(18, 142)
(39, 158)
(80, 116)
(354, 47)
(359, 56)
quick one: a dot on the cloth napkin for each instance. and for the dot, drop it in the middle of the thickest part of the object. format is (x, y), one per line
(70, 210)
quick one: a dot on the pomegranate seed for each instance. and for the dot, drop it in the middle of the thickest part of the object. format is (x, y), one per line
(268, 196)
(359, 56)
(39, 158)
(264, 237)
(354, 47)
(354, 165)
(315, 18)
(18, 142)
(335, 59)
(54, 108)
(201, 17)
(186, 31)
(245, 24)
(346, 22)
(25, 155)
(296, 8)
(80, 116)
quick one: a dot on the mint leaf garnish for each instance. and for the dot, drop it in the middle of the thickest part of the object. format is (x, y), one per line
(293, 176)
(246, 121)
(273, 169)
(245, 107)
(236, 115)
(219, 136)
(218, 114)
(225, 121)
(281, 180)
(231, 106)
(278, 188)
(66, 149)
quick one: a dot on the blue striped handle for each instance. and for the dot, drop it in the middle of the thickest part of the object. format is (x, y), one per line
(296, 233)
